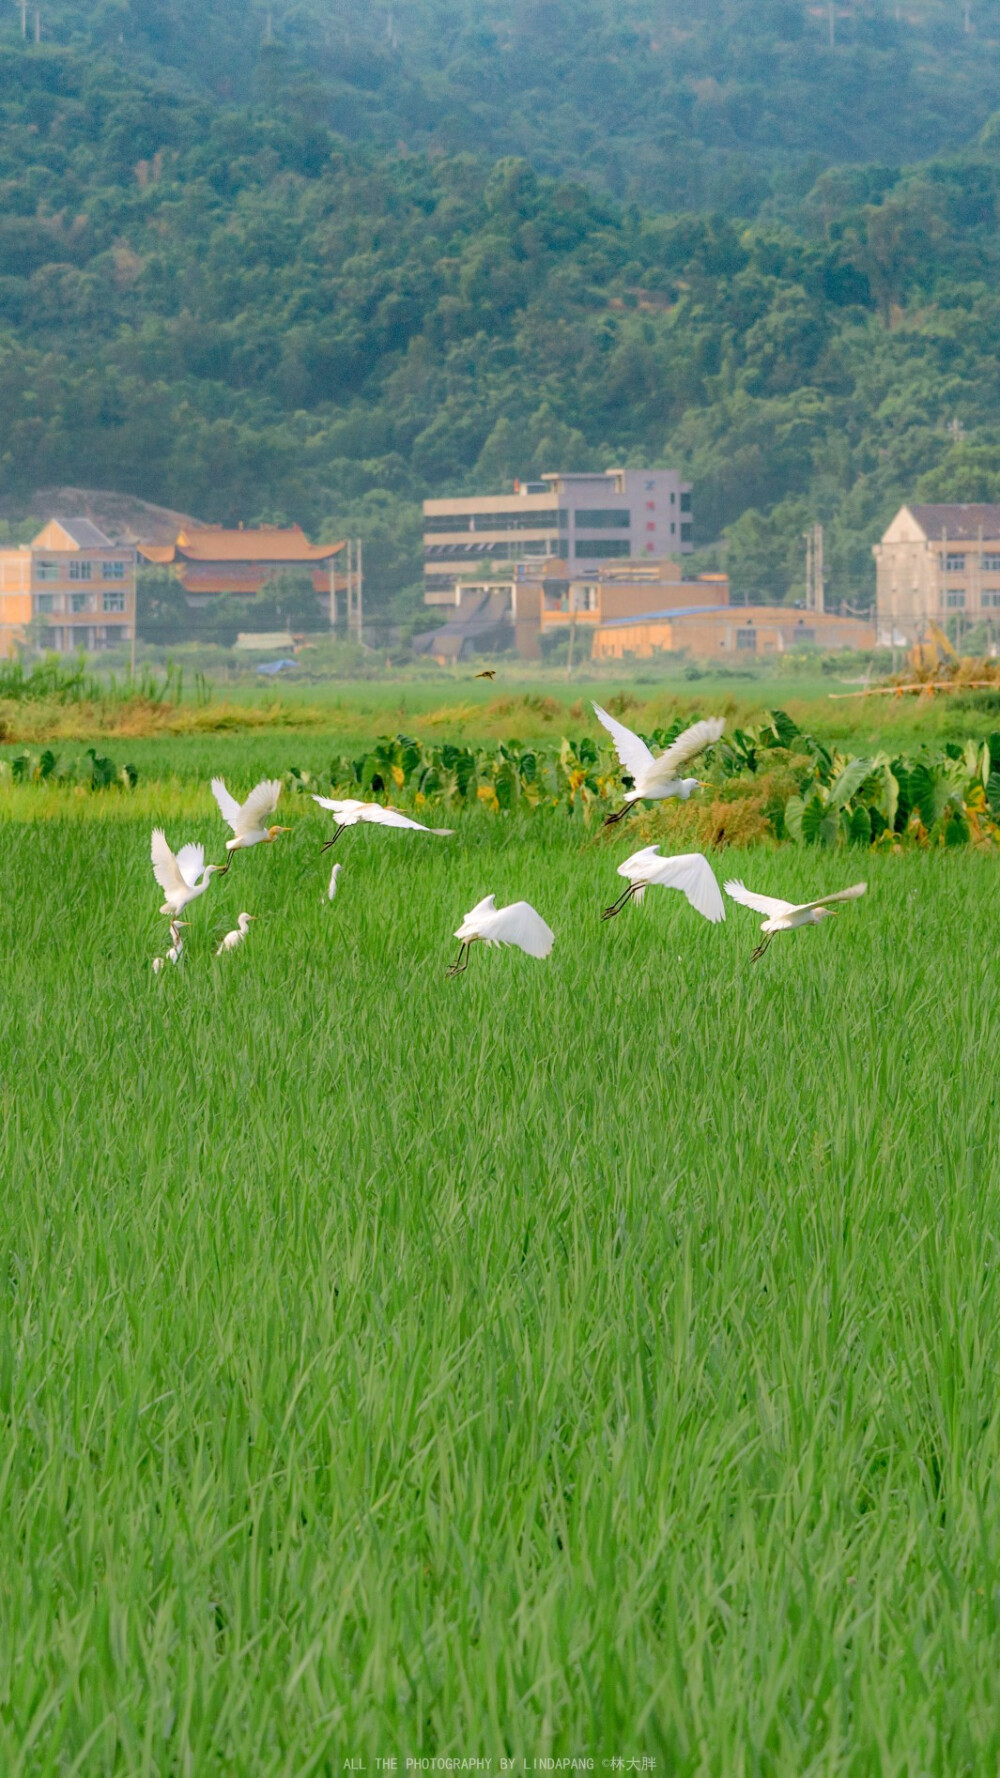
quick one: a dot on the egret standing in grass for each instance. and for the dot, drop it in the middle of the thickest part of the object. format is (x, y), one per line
(785, 916)
(334, 874)
(518, 925)
(656, 778)
(232, 939)
(246, 819)
(349, 812)
(688, 871)
(183, 878)
(176, 946)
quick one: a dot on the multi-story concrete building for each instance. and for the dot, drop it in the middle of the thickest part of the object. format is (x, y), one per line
(588, 520)
(936, 563)
(75, 580)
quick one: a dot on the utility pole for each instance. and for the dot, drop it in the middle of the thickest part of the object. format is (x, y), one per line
(831, 19)
(355, 583)
(814, 568)
(24, 18)
(333, 594)
(38, 26)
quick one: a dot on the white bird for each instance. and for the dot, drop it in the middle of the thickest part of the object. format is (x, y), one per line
(518, 925)
(236, 937)
(334, 874)
(654, 779)
(349, 811)
(183, 878)
(246, 819)
(176, 946)
(785, 916)
(688, 871)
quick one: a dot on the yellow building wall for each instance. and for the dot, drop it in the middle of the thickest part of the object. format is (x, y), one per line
(15, 598)
(714, 634)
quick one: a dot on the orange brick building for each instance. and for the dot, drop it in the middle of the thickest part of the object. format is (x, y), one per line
(74, 580)
(727, 632)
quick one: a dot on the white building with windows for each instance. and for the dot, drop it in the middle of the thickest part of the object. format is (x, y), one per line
(75, 581)
(934, 564)
(584, 520)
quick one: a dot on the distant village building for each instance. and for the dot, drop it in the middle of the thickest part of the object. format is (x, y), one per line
(71, 581)
(210, 561)
(936, 563)
(588, 520)
(627, 608)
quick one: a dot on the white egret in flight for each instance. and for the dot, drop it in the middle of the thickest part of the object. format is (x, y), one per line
(349, 811)
(236, 937)
(688, 871)
(785, 916)
(334, 874)
(183, 878)
(654, 779)
(246, 819)
(518, 925)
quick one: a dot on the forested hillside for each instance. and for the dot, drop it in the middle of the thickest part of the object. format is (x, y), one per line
(230, 308)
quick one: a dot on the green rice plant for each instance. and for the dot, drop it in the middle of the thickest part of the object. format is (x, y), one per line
(584, 1358)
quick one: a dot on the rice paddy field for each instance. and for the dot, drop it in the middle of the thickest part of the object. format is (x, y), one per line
(590, 1359)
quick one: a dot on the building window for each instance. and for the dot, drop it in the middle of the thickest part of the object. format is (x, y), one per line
(747, 639)
(79, 601)
(114, 601)
(673, 528)
(955, 598)
(685, 503)
(603, 546)
(47, 571)
(801, 634)
(80, 570)
(113, 570)
(583, 598)
(603, 519)
(951, 563)
(46, 603)
(990, 563)
(686, 532)
(113, 634)
(991, 598)
(673, 498)
(563, 518)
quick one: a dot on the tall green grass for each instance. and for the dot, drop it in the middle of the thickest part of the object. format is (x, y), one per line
(595, 1356)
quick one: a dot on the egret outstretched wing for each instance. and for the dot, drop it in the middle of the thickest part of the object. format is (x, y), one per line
(688, 743)
(165, 865)
(692, 874)
(850, 894)
(263, 800)
(632, 752)
(229, 808)
(191, 863)
(519, 925)
(768, 905)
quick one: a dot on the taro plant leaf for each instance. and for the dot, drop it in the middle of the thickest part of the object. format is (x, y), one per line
(849, 779)
(20, 767)
(778, 729)
(993, 792)
(129, 776)
(860, 826)
(794, 810)
(820, 824)
(47, 763)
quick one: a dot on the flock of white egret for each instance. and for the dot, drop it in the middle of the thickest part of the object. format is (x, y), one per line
(184, 876)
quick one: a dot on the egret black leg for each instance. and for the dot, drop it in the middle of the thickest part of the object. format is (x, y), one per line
(616, 906)
(761, 948)
(458, 966)
(618, 815)
(328, 843)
